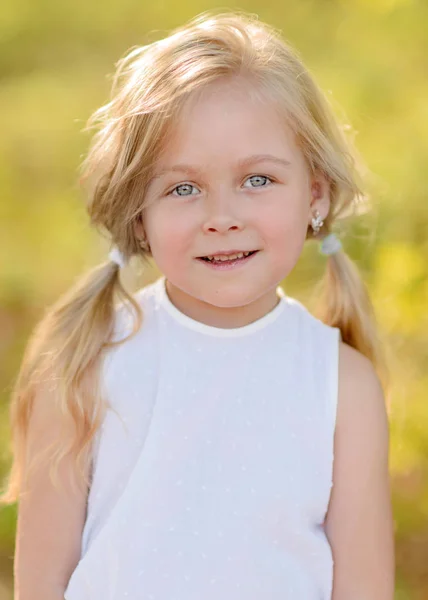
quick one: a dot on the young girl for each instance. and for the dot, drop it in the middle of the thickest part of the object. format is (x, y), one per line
(200, 416)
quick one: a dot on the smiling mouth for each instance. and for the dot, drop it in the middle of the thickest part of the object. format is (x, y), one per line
(227, 258)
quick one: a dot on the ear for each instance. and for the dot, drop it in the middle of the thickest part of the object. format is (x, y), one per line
(320, 196)
(139, 228)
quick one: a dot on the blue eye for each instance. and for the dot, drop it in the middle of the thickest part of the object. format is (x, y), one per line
(186, 186)
(259, 179)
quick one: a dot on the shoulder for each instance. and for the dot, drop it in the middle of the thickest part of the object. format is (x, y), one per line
(358, 377)
(125, 316)
(361, 401)
(133, 336)
(306, 320)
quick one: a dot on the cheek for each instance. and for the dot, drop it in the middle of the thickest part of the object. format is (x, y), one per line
(286, 219)
(168, 230)
(284, 228)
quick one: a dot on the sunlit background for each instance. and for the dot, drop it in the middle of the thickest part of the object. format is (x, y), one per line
(370, 56)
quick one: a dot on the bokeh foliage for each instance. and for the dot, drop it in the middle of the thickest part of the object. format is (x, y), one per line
(370, 56)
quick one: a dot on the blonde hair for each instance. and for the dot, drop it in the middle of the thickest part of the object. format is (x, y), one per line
(150, 86)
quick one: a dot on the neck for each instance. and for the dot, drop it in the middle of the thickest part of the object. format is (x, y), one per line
(219, 316)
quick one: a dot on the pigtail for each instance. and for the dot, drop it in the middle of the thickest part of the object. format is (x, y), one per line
(64, 354)
(344, 302)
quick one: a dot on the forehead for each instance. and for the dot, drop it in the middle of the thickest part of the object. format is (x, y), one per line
(226, 121)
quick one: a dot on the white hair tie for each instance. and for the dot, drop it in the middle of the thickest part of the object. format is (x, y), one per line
(117, 257)
(330, 244)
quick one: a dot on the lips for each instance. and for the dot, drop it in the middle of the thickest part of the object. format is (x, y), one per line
(229, 264)
(227, 256)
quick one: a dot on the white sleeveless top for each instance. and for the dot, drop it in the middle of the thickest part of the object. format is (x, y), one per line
(212, 475)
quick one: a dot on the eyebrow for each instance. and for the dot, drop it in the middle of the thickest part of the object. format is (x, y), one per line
(249, 160)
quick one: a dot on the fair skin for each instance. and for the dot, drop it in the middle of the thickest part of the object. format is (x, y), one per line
(229, 208)
(232, 177)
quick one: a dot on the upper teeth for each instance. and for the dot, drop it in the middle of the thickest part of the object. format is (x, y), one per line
(228, 256)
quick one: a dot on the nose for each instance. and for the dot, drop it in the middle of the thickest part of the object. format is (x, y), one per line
(220, 215)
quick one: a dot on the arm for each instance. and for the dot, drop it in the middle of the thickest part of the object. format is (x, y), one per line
(50, 521)
(359, 522)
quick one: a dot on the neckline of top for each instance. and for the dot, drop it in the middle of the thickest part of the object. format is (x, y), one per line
(190, 323)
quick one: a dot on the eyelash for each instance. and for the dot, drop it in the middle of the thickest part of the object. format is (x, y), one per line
(170, 193)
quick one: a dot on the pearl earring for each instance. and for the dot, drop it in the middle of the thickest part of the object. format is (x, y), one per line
(316, 222)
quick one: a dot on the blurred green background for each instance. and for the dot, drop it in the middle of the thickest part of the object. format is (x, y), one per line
(370, 56)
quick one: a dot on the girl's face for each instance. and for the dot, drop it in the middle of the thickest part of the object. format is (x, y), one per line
(232, 178)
